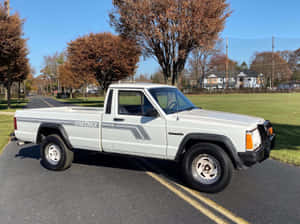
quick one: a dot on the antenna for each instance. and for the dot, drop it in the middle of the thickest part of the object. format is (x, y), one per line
(177, 117)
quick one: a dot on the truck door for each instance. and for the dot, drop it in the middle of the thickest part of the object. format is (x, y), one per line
(134, 126)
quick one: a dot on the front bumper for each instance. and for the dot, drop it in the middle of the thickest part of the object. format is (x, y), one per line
(263, 152)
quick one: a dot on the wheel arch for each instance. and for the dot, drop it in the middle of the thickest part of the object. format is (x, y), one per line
(46, 129)
(220, 140)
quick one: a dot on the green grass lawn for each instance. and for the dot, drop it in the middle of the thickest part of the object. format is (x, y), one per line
(15, 105)
(6, 121)
(6, 127)
(283, 110)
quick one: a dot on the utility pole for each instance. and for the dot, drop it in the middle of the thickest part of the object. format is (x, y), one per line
(273, 62)
(6, 5)
(227, 74)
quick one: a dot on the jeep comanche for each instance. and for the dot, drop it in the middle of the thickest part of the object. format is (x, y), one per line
(151, 120)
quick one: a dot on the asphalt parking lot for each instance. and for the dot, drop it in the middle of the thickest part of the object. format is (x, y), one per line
(110, 189)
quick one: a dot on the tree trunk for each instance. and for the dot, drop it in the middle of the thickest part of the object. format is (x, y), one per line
(8, 87)
(84, 91)
(174, 77)
(71, 93)
(19, 90)
(50, 85)
(24, 85)
(5, 92)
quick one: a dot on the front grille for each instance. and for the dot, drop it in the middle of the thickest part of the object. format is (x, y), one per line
(263, 130)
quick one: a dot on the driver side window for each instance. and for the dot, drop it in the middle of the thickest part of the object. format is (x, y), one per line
(134, 103)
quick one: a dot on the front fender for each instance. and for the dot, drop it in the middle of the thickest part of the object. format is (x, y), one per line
(221, 140)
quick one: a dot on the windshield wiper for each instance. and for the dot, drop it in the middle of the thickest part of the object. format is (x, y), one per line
(190, 108)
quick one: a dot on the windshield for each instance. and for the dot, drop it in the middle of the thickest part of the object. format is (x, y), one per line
(171, 100)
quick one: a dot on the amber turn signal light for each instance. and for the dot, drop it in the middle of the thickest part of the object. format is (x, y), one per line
(271, 131)
(249, 142)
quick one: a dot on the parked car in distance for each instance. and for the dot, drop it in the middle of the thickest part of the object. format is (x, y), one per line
(63, 95)
(155, 121)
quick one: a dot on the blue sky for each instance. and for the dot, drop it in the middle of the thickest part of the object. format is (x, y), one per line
(51, 24)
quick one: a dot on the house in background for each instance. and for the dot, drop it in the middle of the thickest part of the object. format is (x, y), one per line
(245, 79)
(218, 81)
(92, 89)
(249, 79)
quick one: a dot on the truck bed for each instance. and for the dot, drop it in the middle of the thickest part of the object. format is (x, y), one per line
(81, 123)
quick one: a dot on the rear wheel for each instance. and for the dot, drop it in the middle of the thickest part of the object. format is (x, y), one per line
(55, 154)
(207, 168)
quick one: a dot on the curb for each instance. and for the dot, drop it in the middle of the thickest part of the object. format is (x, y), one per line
(2, 150)
(7, 113)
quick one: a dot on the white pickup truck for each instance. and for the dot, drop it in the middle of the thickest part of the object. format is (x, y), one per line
(150, 120)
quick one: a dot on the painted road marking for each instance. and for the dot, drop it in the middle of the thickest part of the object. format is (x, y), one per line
(228, 214)
(49, 104)
(214, 205)
(185, 197)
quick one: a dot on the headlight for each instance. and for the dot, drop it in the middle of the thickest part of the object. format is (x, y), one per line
(253, 140)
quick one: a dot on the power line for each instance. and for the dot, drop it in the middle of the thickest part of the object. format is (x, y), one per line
(273, 62)
(227, 61)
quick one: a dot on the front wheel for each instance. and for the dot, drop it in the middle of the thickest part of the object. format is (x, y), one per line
(207, 168)
(55, 154)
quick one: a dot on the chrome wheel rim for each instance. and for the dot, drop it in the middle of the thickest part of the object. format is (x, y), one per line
(206, 169)
(53, 154)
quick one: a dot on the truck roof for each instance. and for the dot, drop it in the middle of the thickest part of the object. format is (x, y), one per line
(138, 85)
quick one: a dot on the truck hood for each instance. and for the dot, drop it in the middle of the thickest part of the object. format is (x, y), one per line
(220, 117)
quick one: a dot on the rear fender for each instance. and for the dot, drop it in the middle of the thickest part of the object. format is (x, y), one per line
(51, 128)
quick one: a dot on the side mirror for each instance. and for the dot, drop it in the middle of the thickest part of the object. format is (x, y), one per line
(151, 113)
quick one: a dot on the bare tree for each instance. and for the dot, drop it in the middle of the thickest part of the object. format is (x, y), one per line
(50, 69)
(199, 62)
(157, 77)
(169, 30)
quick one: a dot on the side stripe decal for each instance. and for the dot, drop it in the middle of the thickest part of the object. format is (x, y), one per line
(137, 130)
(88, 124)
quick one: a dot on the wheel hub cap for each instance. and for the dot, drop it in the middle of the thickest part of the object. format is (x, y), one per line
(53, 154)
(206, 169)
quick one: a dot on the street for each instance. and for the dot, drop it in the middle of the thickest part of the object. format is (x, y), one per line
(112, 189)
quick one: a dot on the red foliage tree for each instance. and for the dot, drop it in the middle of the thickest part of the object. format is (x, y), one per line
(218, 64)
(263, 63)
(13, 51)
(67, 78)
(103, 56)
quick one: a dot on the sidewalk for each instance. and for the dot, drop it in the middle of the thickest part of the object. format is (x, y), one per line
(7, 113)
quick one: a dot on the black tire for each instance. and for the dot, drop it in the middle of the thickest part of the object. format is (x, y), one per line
(198, 156)
(66, 155)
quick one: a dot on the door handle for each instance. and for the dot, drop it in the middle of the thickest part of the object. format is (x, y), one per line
(118, 119)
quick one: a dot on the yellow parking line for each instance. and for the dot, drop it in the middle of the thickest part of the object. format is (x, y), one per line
(49, 104)
(188, 199)
(214, 205)
(205, 200)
